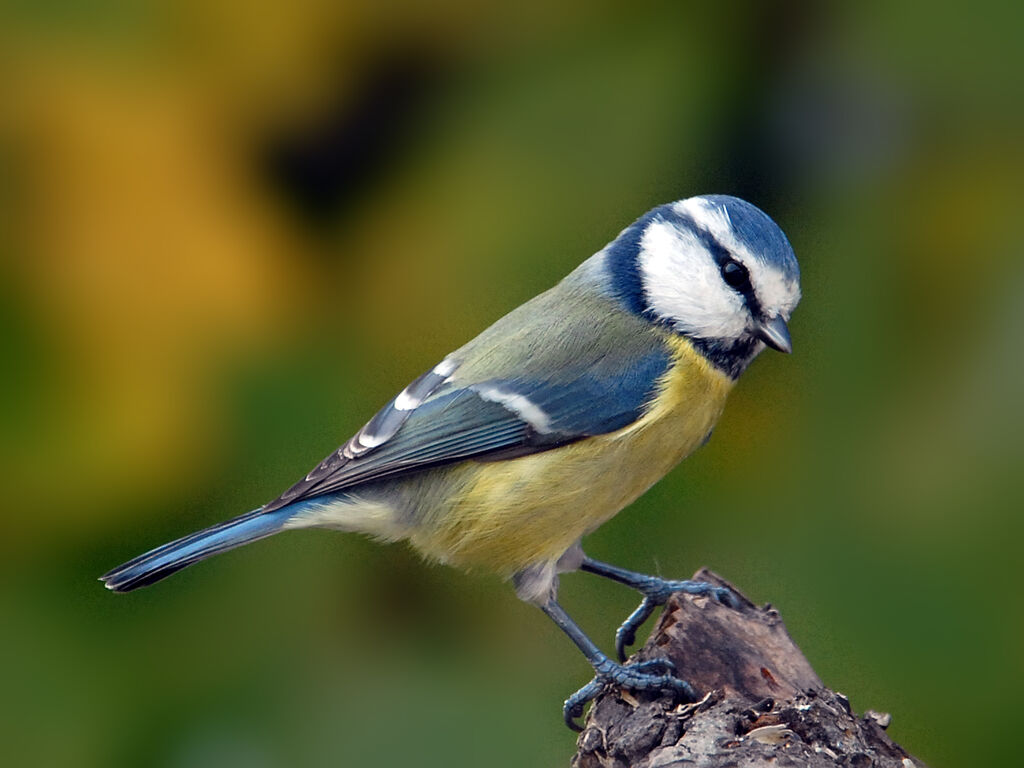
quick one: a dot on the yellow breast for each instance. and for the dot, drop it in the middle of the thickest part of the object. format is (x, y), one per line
(510, 514)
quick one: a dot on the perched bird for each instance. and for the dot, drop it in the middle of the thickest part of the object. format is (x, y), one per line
(515, 446)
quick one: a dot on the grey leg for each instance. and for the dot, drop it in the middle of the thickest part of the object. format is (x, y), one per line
(655, 591)
(654, 675)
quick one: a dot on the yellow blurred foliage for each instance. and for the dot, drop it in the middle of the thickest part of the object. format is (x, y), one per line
(148, 258)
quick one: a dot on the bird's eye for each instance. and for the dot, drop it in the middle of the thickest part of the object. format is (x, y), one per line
(735, 275)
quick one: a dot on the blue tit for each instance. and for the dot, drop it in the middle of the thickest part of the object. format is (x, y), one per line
(515, 446)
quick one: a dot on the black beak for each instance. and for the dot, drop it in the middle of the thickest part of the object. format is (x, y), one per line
(775, 334)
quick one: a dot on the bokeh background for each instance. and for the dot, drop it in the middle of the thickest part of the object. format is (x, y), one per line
(230, 231)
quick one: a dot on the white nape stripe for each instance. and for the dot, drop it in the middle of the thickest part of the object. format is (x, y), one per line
(725, 213)
(713, 218)
(518, 404)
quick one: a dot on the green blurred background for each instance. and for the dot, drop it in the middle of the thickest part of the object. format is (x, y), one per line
(230, 231)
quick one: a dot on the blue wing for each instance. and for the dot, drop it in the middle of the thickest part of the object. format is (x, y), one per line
(566, 365)
(494, 419)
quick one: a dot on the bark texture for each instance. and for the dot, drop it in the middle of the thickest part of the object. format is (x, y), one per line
(762, 703)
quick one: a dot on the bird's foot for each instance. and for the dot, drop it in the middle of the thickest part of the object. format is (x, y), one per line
(656, 592)
(654, 675)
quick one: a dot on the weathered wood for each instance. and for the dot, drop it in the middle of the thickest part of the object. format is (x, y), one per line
(762, 702)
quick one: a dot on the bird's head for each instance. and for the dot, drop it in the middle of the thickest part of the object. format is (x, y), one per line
(713, 268)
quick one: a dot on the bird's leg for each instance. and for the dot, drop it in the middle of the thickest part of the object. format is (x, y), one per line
(654, 675)
(655, 591)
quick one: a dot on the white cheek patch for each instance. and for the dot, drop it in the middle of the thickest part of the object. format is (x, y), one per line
(776, 293)
(683, 285)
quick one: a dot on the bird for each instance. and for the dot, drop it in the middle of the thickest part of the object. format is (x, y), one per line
(515, 446)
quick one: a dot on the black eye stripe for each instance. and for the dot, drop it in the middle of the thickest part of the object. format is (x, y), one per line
(737, 277)
(724, 259)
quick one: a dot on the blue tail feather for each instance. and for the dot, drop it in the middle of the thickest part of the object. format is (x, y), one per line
(172, 557)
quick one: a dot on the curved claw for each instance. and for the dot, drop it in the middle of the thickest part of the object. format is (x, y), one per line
(639, 677)
(625, 636)
(573, 706)
(727, 597)
(656, 592)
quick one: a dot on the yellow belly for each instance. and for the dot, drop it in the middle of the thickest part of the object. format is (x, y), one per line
(511, 514)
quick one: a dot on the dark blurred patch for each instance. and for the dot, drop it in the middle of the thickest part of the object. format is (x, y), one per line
(322, 167)
(772, 38)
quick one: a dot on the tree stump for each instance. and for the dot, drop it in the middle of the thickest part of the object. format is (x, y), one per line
(762, 702)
